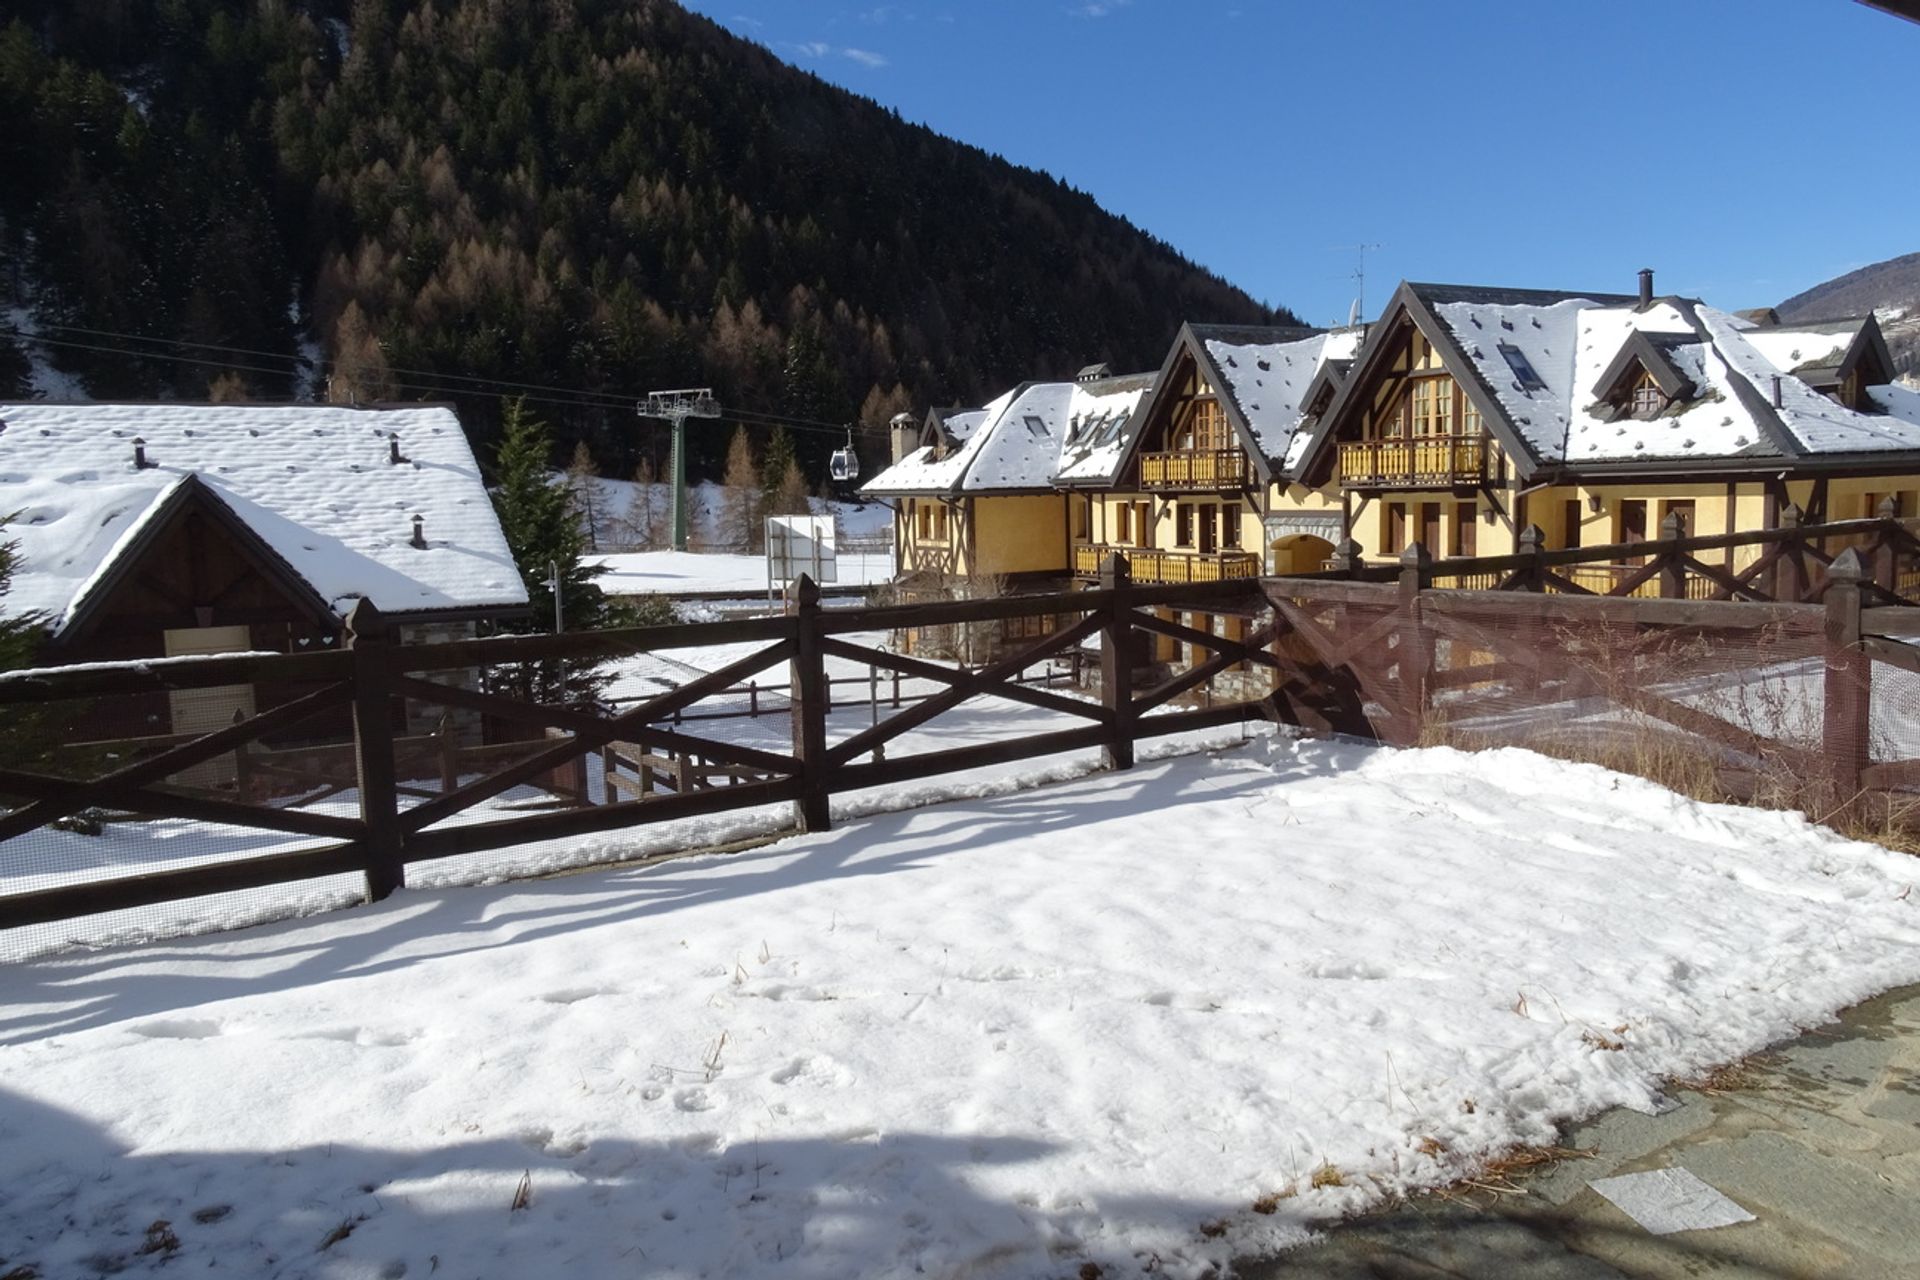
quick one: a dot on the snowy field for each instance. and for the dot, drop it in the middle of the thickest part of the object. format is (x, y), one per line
(1152, 1021)
(632, 573)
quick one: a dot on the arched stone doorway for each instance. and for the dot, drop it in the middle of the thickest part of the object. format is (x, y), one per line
(1299, 553)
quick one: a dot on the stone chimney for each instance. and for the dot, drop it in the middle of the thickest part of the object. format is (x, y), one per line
(905, 435)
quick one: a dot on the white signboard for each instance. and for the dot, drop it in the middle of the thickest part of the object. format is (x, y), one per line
(797, 545)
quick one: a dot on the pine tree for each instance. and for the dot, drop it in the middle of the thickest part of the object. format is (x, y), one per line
(790, 497)
(773, 471)
(741, 525)
(541, 520)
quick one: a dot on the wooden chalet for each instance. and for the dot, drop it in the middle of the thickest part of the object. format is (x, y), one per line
(1471, 414)
(167, 530)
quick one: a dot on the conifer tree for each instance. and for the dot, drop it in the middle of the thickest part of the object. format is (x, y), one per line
(541, 520)
(583, 478)
(743, 495)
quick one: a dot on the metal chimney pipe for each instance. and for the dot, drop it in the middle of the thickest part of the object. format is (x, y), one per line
(1778, 401)
(140, 462)
(420, 532)
(393, 449)
(1646, 286)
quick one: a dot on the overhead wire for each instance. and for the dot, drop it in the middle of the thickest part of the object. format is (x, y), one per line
(565, 398)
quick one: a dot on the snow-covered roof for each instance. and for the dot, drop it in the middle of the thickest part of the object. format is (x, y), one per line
(1024, 440)
(1542, 356)
(314, 482)
(1269, 381)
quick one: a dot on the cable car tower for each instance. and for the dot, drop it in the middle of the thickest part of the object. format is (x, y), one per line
(676, 407)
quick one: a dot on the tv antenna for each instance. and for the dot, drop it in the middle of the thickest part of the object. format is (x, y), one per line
(1359, 275)
(676, 407)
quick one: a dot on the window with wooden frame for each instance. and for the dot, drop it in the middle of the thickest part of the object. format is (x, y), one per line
(1043, 624)
(1143, 523)
(1430, 526)
(1396, 519)
(1206, 428)
(1230, 527)
(939, 523)
(1570, 520)
(1466, 529)
(1123, 523)
(1633, 520)
(1430, 403)
(923, 519)
(1183, 519)
(1682, 507)
(1646, 399)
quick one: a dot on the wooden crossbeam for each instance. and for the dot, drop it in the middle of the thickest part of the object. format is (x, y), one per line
(127, 788)
(982, 681)
(1010, 690)
(594, 730)
(627, 724)
(1227, 656)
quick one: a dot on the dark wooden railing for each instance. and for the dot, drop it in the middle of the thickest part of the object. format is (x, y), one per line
(1787, 564)
(657, 769)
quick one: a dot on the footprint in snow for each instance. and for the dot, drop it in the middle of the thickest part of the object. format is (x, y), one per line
(179, 1029)
(694, 1100)
(574, 995)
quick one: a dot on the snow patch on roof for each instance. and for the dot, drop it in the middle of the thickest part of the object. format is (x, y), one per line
(313, 481)
(1268, 381)
(1570, 344)
(922, 472)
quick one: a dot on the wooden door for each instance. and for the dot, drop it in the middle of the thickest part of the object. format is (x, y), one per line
(1430, 528)
(200, 711)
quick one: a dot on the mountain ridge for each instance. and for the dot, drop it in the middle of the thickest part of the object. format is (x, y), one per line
(604, 196)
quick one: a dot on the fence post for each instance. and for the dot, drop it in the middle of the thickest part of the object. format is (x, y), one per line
(1673, 574)
(1116, 662)
(1845, 740)
(1886, 567)
(809, 695)
(1348, 557)
(1532, 543)
(1415, 660)
(1790, 572)
(370, 642)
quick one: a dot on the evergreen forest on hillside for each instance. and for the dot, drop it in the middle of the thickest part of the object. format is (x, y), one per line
(596, 197)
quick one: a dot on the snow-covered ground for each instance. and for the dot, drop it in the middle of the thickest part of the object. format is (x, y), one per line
(670, 572)
(1149, 1020)
(627, 515)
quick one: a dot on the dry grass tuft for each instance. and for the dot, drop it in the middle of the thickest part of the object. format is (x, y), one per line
(1733, 1077)
(1328, 1175)
(1433, 1147)
(1270, 1202)
(1217, 1228)
(1090, 1271)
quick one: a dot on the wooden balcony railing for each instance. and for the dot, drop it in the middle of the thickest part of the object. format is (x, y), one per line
(1170, 566)
(1420, 462)
(1196, 469)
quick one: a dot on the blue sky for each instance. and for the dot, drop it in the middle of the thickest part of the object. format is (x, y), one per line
(1746, 149)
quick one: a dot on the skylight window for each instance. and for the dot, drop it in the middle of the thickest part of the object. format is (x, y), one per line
(1037, 427)
(1522, 367)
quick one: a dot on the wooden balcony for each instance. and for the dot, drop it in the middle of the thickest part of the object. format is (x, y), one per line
(1205, 469)
(1169, 566)
(1423, 462)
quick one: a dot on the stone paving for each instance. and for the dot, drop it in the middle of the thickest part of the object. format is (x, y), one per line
(1819, 1138)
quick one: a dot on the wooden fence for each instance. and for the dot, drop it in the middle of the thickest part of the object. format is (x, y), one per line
(1381, 652)
(656, 770)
